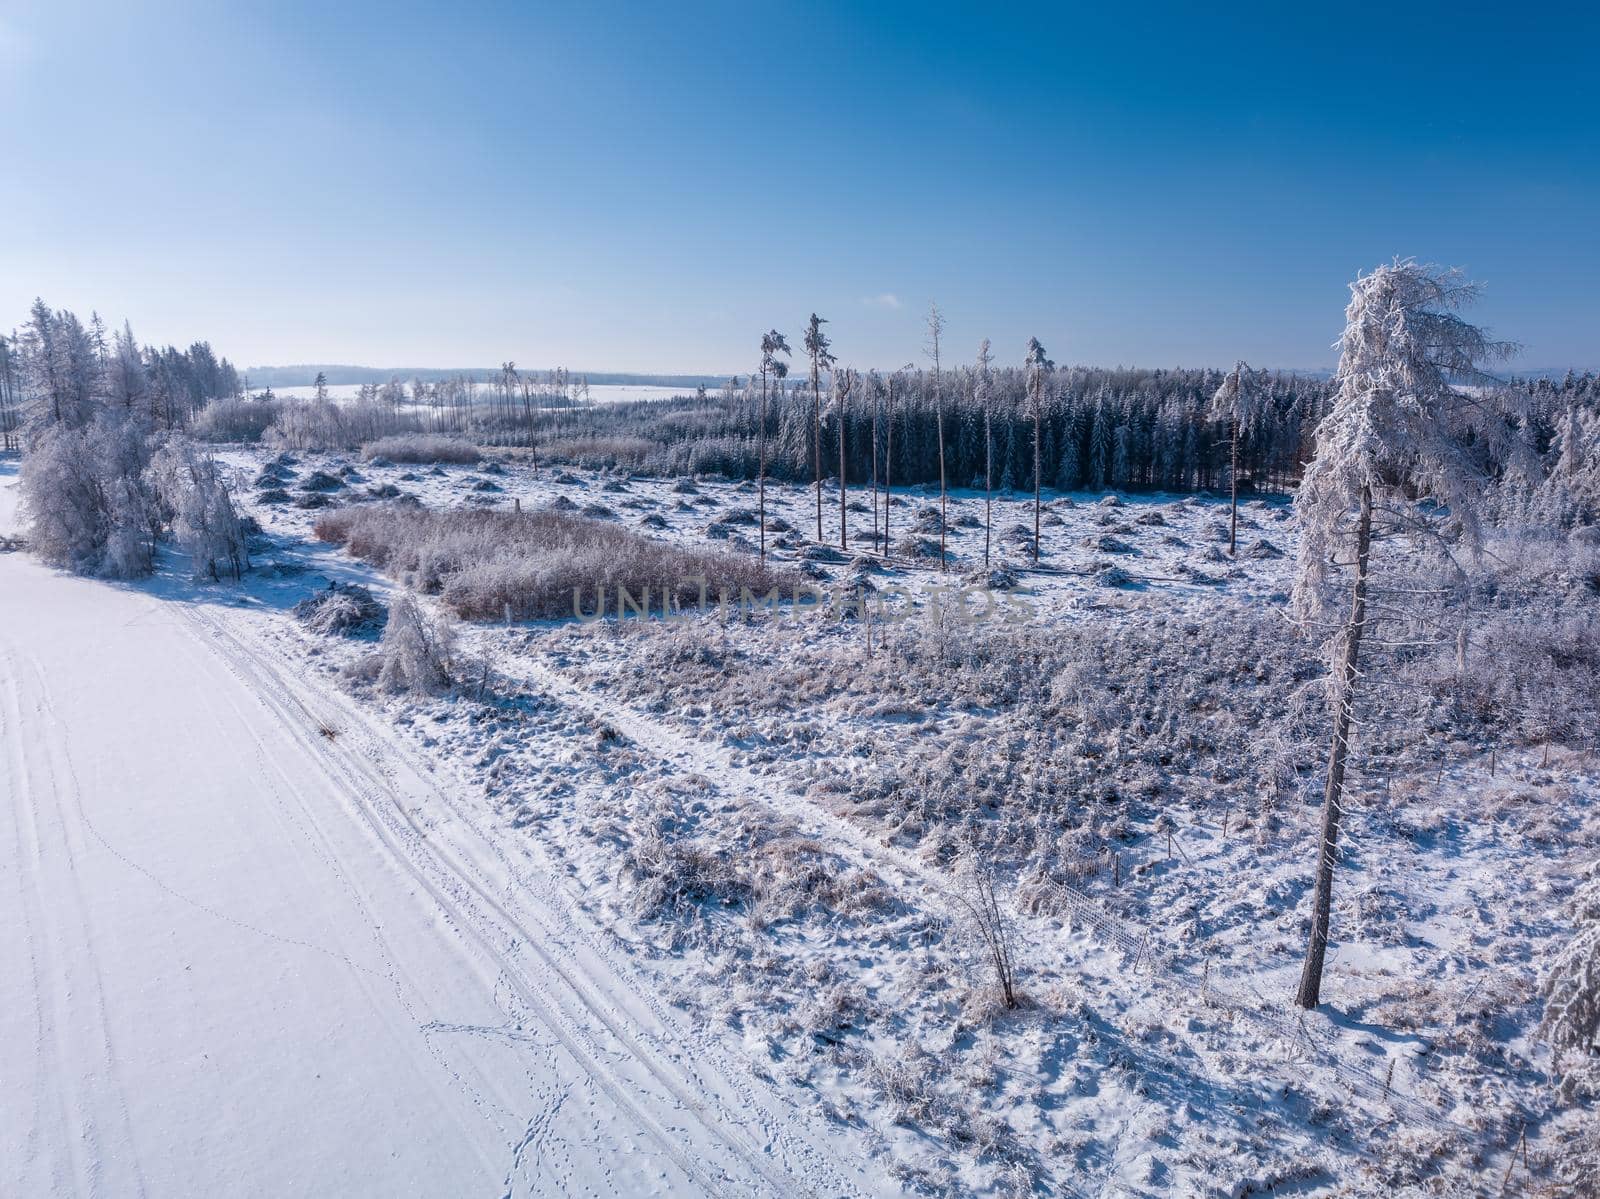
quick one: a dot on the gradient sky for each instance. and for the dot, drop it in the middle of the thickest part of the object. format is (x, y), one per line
(650, 187)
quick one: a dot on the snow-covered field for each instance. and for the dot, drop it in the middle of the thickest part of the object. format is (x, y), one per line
(258, 945)
(669, 907)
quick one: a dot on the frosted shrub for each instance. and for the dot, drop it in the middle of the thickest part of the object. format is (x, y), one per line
(344, 609)
(484, 562)
(1571, 1023)
(416, 653)
(204, 521)
(88, 507)
(325, 425)
(422, 448)
(235, 420)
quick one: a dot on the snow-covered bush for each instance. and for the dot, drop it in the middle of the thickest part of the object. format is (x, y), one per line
(235, 420)
(416, 654)
(200, 508)
(419, 448)
(343, 609)
(326, 425)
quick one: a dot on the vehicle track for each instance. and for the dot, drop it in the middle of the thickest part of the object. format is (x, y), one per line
(533, 949)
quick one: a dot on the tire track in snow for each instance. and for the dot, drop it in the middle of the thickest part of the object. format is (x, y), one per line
(92, 1146)
(517, 941)
(47, 1048)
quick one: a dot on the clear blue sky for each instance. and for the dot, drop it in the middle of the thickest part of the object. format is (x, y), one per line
(649, 187)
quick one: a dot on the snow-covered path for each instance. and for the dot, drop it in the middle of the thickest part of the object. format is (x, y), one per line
(242, 957)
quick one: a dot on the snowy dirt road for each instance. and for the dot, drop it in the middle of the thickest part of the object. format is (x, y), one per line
(252, 948)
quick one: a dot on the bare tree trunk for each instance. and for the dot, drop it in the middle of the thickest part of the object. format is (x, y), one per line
(1333, 796)
(761, 468)
(988, 484)
(888, 466)
(874, 472)
(844, 536)
(816, 443)
(938, 415)
(1233, 480)
(1038, 414)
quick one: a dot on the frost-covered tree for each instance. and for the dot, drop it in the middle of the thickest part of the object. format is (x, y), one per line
(10, 397)
(60, 369)
(1400, 452)
(1237, 401)
(202, 515)
(1571, 1023)
(982, 388)
(821, 359)
(1037, 365)
(126, 384)
(772, 345)
(85, 498)
(416, 653)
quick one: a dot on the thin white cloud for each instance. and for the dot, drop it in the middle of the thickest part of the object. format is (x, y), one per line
(883, 300)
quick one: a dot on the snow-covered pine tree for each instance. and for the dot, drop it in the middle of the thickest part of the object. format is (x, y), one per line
(1037, 365)
(772, 345)
(1236, 402)
(1400, 452)
(126, 385)
(816, 342)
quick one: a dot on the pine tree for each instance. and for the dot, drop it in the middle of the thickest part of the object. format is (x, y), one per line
(1037, 364)
(772, 345)
(816, 343)
(1236, 402)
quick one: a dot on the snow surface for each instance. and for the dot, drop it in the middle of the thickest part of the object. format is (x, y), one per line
(259, 948)
(427, 907)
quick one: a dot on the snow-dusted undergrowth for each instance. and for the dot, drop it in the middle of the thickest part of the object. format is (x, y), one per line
(772, 811)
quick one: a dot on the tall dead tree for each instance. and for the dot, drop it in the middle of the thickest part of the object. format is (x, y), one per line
(772, 344)
(981, 393)
(935, 334)
(843, 383)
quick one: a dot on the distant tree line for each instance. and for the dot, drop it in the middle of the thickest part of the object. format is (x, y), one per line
(1098, 428)
(57, 369)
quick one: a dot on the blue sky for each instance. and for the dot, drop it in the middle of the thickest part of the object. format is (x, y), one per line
(651, 187)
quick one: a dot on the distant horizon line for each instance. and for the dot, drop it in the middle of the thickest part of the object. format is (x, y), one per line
(305, 373)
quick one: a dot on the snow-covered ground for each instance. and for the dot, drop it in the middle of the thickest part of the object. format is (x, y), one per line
(452, 915)
(256, 946)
